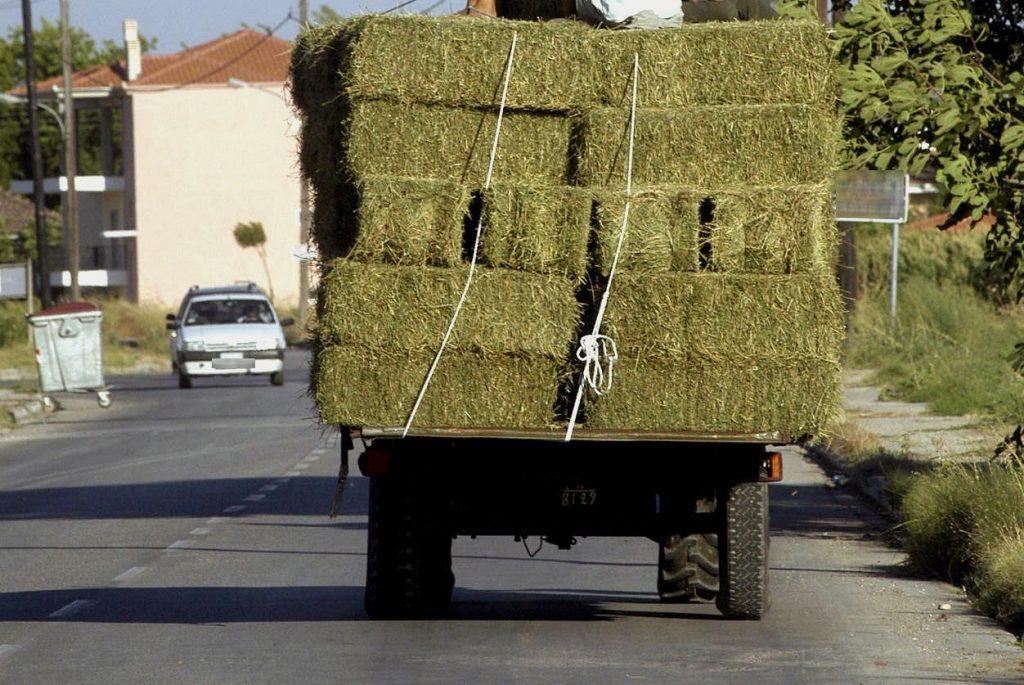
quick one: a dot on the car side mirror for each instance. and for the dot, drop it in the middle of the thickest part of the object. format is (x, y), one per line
(287, 321)
(170, 318)
(171, 325)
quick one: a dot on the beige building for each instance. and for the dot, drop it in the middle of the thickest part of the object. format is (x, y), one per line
(192, 143)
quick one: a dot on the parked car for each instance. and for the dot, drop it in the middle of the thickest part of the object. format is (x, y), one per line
(227, 330)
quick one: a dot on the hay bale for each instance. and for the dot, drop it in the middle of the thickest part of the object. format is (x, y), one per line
(798, 395)
(722, 353)
(568, 66)
(358, 386)
(407, 309)
(416, 222)
(757, 230)
(385, 139)
(725, 318)
(710, 146)
(536, 228)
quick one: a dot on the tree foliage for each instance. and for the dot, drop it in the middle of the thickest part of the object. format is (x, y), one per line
(15, 160)
(919, 92)
(250, 234)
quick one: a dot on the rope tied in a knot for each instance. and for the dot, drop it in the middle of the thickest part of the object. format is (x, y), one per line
(596, 351)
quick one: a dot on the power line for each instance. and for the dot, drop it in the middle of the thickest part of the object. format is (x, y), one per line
(399, 6)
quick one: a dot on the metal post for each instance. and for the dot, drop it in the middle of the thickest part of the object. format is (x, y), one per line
(29, 303)
(895, 269)
(304, 217)
(70, 151)
(42, 246)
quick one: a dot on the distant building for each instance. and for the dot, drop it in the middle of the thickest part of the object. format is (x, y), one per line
(191, 143)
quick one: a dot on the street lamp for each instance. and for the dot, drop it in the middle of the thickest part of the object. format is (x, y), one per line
(304, 214)
(9, 99)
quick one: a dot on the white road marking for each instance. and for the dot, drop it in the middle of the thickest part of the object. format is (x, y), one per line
(312, 458)
(129, 574)
(294, 473)
(254, 498)
(73, 608)
(282, 480)
(268, 488)
(7, 650)
(318, 450)
(199, 531)
(214, 520)
(234, 509)
(301, 467)
(180, 544)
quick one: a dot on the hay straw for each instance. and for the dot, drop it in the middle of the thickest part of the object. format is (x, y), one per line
(766, 230)
(539, 229)
(408, 308)
(356, 386)
(385, 139)
(563, 66)
(712, 146)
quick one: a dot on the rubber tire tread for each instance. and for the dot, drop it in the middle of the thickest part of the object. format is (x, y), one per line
(688, 568)
(743, 552)
(408, 560)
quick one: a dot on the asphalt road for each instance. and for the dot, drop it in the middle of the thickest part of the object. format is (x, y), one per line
(181, 536)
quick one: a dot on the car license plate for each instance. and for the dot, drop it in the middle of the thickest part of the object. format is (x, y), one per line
(578, 497)
(230, 355)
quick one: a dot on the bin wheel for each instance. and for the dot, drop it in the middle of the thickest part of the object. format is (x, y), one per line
(104, 399)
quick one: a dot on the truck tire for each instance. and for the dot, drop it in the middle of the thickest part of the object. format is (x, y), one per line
(743, 552)
(688, 568)
(184, 381)
(408, 559)
(277, 378)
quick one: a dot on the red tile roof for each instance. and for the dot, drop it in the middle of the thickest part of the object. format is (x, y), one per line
(245, 54)
(934, 222)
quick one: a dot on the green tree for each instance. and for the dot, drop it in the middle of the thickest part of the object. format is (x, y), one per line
(15, 161)
(250, 234)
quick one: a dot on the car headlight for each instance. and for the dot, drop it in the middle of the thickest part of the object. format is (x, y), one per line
(195, 345)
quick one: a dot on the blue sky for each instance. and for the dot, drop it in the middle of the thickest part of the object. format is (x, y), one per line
(189, 21)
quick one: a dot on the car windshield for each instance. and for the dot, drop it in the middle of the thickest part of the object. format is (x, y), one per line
(214, 312)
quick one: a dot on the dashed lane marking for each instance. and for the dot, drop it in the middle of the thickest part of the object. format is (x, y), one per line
(294, 473)
(312, 458)
(254, 498)
(268, 488)
(234, 509)
(7, 650)
(180, 544)
(199, 531)
(214, 520)
(129, 574)
(319, 450)
(69, 610)
(301, 467)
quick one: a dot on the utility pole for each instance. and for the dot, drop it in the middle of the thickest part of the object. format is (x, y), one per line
(42, 248)
(70, 149)
(304, 216)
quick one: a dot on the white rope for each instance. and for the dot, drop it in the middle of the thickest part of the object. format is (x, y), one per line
(476, 243)
(595, 349)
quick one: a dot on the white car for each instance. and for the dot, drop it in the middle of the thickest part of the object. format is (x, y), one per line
(227, 331)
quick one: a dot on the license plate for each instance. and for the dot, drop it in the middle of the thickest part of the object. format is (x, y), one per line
(230, 355)
(578, 497)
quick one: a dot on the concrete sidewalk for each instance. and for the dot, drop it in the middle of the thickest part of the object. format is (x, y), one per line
(908, 429)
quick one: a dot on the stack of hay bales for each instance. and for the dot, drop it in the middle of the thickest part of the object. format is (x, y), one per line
(724, 309)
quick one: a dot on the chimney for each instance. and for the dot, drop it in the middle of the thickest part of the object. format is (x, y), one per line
(132, 49)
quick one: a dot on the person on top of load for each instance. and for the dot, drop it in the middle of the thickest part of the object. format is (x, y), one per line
(630, 14)
(697, 11)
